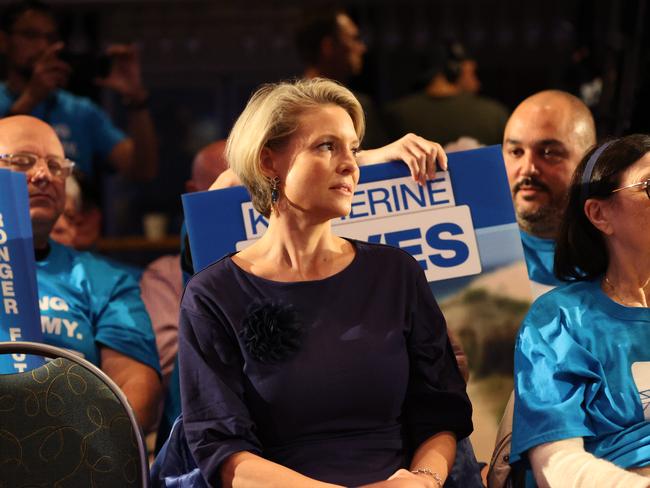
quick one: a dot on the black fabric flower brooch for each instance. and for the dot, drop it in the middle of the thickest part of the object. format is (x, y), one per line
(271, 331)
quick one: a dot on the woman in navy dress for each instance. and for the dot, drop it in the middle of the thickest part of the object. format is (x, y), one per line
(308, 359)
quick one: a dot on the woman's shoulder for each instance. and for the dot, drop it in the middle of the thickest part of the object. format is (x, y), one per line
(214, 290)
(219, 274)
(570, 294)
(563, 307)
(385, 255)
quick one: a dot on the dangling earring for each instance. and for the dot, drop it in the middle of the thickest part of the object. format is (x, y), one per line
(275, 192)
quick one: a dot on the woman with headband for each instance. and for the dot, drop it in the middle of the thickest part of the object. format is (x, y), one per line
(308, 360)
(582, 357)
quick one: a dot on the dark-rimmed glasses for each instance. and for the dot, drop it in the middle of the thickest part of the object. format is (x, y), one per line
(58, 166)
(644, 185)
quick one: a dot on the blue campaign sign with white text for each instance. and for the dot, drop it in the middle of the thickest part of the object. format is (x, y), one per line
(19, 311)
(457, 225)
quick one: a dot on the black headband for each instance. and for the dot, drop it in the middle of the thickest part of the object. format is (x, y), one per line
(589, 169)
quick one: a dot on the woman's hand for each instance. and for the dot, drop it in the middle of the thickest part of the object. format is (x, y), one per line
(403, 478)
(414, 480)
(419, 154)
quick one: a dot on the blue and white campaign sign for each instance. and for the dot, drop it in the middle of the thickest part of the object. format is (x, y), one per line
(456, 225)
(423, 220)
(19, 312)
(460, 227)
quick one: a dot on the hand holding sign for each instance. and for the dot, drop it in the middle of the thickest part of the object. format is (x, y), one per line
(419, 154)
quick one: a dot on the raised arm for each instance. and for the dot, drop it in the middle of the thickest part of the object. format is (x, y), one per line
(136, 156)
(419, 154)
(49, 74)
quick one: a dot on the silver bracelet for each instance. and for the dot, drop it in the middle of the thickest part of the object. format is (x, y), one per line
(436, 477)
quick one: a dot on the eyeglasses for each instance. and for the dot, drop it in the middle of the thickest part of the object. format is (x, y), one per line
(59, 167)
(644, 185)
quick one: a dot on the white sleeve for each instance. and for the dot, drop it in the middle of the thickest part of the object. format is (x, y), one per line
(566, 464)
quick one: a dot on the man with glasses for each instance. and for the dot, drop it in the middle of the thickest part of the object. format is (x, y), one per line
(87, 304)
(329, 44)
(545, 138)
(36, 75)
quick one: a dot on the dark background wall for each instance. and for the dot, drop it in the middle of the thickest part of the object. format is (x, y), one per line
(202, 59)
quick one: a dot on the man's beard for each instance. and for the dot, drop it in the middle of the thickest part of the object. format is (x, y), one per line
(543, 221)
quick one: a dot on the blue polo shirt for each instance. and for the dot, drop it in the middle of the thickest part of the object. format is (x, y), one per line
(84, 129)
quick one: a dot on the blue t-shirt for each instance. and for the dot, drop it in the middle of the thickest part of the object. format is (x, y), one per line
(539, 254)
(84, 129)
(582, 369)
(87, 302)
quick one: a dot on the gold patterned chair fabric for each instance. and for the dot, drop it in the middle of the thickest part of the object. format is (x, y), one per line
(66, 424)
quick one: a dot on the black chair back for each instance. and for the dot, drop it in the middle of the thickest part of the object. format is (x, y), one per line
(67, 424)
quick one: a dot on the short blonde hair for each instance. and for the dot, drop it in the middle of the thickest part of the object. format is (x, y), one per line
(270, 117)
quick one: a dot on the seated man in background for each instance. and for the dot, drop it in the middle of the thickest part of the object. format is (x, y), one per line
(544, 140)
(87, 305)
(36, 76)
(162, 280)
(80, 224)
(329, 44)
(448, 107)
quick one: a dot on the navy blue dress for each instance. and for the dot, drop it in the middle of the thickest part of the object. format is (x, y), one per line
(373, 377)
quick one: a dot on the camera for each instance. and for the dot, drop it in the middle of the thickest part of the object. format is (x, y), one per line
(87, 65)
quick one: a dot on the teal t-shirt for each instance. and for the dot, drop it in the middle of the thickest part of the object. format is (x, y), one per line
(539, 254)
(582, 369)
(84, 129)
(87, 302)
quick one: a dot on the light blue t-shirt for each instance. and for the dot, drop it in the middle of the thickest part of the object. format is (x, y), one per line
(582, 369)
(84, 129)
(87, 302)
(539, 254)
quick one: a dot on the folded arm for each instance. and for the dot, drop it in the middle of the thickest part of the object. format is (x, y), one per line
(137, 156)
(246, 469)
(566, 464)
(139, 382)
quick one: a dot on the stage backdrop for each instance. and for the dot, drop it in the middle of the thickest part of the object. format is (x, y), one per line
(19, 312)
(460, 227)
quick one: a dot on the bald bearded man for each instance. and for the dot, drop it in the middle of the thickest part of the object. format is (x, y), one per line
(544, 140)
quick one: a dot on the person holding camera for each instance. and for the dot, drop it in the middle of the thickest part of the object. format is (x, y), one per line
(36, 76)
